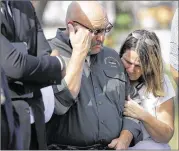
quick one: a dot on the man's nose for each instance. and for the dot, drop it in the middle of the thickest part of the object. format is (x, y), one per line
(100, 37)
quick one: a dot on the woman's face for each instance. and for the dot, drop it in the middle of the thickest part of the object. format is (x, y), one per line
(132, 65)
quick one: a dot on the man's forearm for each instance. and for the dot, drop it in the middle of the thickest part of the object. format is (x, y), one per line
(126, 137)
(74, 74)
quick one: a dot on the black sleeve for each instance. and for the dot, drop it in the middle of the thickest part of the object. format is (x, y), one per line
(43, 46)
(18, 65)
(63, 98)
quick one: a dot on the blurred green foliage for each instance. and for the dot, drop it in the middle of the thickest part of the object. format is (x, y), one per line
(123, 20)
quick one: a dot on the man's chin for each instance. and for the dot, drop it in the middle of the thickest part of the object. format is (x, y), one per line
(96, 49)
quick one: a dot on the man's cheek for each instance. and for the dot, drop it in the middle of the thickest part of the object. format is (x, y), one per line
(93, 43)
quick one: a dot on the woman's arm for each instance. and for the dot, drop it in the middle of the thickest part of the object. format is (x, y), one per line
(161, 128)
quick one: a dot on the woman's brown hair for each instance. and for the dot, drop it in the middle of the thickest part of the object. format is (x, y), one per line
(147, 46)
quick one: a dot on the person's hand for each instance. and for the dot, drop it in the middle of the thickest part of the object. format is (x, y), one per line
(133, 109)
(123, 141)
(55, 53)
(80, 40)
(117, 144)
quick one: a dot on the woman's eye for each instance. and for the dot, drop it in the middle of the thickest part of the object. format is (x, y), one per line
(138, 66)
(128, 62)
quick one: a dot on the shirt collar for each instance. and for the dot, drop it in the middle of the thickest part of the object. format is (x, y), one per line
(63, 37)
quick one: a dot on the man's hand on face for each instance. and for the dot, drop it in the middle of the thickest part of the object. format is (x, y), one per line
(80, 40)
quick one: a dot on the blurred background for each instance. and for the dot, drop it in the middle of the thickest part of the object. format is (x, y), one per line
(126, 16)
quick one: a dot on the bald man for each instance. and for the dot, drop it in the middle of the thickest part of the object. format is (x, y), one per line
(90, 101)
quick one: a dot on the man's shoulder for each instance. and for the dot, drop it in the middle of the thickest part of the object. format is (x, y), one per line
(23, 6)
(64, 49)
(110, 51)
(58, 44)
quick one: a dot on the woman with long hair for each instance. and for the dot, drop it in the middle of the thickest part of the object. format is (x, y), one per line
(142, 59)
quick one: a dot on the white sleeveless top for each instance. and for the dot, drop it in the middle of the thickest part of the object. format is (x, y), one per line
(150, 102)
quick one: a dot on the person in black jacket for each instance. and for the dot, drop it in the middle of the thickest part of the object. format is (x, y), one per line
(25, 59)
(22, 41)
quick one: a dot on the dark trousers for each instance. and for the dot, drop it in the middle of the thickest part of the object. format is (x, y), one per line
(22, 119)
(22, 109)
(37, 130)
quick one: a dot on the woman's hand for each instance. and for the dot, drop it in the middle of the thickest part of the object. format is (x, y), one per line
(133, 109)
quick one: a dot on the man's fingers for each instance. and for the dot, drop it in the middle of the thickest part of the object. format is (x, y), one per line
(120, 146)
(71, 29)
(113, 143)
(127, 104)
(125, 113)
(88, 39)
